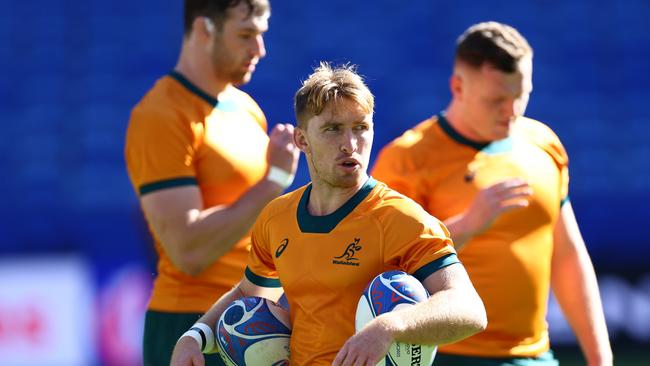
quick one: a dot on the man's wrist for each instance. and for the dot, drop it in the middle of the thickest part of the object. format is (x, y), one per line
(203, 335)
(600, 357)
(280, 177)
(393, 325)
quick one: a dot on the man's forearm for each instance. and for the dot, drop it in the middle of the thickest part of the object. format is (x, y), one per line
(460, 233)
(446, 317)
(209, 234)
(215, 231)
(214, 313)
(576, 289)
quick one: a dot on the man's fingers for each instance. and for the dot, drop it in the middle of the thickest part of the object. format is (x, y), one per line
(514, 183)
(512, 204)
(348, 356)
(340, 357)
(522, 192)
(282, 135)
(513, 195)
(508, 190)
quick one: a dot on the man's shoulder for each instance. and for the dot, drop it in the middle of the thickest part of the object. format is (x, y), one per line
(421, 136)
(541, 135)
(282, 204)
(414, 149)
(390, 204)
(165, 97)
(240, 95)
(395, 210)
(533, 127)
(245, 102)
(241, 99)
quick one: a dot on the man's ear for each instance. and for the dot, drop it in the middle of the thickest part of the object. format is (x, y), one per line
(456, 85)
(300, 139)
(203, 26)
(209, 25)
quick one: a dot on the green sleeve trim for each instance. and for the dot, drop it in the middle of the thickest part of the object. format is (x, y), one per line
(262, 281)
(167, 183)
(439, 263)
(564, 200)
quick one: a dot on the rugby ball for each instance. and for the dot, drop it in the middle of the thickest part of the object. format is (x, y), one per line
(253, 331)
(283, 302)
(394, 290)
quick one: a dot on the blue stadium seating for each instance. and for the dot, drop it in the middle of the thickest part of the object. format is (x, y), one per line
(73, 70)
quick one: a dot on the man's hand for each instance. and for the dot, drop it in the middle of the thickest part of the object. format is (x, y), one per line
(368, 346)
(282, 152)
(489, 204)
(187, 353)
(495, 200)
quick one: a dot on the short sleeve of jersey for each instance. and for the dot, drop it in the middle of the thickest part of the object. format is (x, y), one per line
(417, 242)
(160, 149)
(261, 269)
(392, 167)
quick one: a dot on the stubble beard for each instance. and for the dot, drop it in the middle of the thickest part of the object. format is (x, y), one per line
(331, 180)
(224, 67)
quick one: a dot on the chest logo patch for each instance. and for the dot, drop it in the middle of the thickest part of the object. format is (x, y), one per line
(348, 257)
(281, 248)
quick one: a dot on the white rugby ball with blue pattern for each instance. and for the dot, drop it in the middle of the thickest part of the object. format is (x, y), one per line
(253, 331)
(394, 290)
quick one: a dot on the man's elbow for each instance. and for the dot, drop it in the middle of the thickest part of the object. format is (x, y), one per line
(477, 321)
(191, 268)
(186, 260)
(188, 265)
(481, 320)
(469, 321)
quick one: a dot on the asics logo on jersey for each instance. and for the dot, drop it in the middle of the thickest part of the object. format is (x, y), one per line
(281, 248)
(348, 258)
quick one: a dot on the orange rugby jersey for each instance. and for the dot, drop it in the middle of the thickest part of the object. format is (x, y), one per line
(510, 263)
(178, 135)
(324, 262)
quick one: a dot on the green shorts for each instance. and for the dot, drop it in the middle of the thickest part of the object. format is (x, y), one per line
(546, 359)
(161, 331)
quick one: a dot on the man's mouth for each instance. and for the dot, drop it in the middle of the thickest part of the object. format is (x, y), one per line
(349, 163)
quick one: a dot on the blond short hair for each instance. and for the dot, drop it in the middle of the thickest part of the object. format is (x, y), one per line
(330, 84)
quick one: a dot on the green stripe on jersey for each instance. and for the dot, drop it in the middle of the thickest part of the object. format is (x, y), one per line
(439, 263)
(262, 281)
(167, 183)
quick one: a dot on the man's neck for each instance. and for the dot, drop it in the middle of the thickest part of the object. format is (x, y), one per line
(196, 68)
(325, 199)
(456, 119)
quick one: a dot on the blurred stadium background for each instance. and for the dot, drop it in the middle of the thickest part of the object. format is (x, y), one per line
(75, 258)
